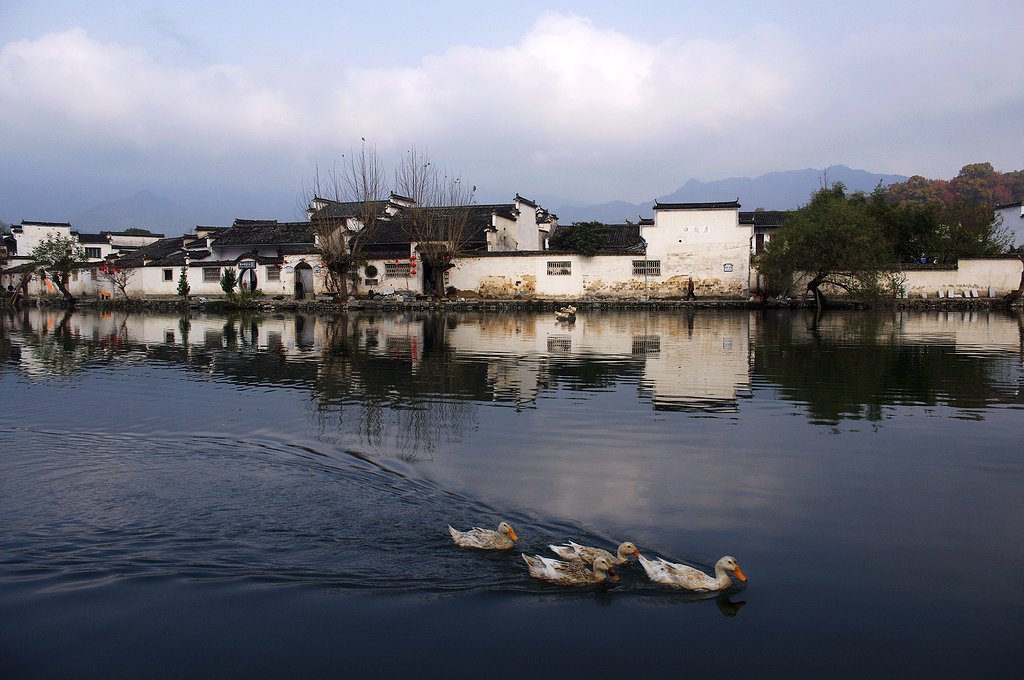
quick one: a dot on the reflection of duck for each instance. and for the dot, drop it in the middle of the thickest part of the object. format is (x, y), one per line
(688, 578)
(575, 573)
(574, 551)
(485, 539)
(727, 606)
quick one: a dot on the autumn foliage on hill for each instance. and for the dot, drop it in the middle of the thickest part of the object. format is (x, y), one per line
(977, 183)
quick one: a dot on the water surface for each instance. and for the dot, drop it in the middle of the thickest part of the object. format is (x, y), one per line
(262, 495)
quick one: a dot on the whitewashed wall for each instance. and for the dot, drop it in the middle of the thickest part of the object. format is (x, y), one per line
(598, 277)
(709, 245)
(1002, 275)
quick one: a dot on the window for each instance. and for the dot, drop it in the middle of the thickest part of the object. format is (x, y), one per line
(559, 268)
(92, 252)
(168, 275)
(646, 267)
(758, 243)
(74, 275)
(211, 274)
(396, 269)
(95, 274)
(370, 282)
(273, 272)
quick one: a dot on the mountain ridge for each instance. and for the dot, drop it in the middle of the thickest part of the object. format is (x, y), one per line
(779, 190)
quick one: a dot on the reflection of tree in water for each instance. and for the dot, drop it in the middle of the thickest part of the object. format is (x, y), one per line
(852, 366)
(411, 399)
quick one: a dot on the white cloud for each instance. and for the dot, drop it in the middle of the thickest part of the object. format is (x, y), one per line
(579, 110)
(107, 92)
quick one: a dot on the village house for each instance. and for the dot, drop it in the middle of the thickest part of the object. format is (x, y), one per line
(700, 250)
(1010, 216)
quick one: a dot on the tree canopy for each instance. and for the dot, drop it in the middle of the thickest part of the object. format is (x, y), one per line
(975, 183)
(57, 255)
(834, 240)
(585, 238)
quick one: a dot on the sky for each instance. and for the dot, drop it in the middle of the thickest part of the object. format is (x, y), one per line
(229, 108)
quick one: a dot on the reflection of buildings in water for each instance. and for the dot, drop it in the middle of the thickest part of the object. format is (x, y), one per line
(701, 363)
(688, 361)
(514, 379)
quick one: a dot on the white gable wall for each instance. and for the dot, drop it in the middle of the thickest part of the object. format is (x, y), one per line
(709, 245)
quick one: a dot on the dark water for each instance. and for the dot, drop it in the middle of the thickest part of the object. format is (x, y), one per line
(267, 496)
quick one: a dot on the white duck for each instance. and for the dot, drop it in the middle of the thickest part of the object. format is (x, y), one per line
(575, 573)
(575, 551)
(485, 539)
(683, 576)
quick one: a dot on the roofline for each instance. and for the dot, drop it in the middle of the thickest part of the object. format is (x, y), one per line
(714, 205)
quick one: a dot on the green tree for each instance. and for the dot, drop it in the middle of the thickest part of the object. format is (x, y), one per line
(585, 238)
(228, 280)
(137, 231)
(966, 229)
(183, 287)
(57, 255)
(834, 240)
(910, 227)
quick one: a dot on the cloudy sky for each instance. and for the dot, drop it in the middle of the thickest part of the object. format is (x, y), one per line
(230, 106)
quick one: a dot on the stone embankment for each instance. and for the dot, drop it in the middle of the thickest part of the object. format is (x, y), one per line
(328, 306)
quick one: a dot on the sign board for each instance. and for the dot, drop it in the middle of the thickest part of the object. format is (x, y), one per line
(727, 266)
(247, 264)
(289, 269)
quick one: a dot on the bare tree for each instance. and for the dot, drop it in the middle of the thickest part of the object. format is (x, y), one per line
(439, 221)
(346, 207)
(117, 277)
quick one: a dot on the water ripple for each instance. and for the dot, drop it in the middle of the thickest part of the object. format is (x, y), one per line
(211, 508)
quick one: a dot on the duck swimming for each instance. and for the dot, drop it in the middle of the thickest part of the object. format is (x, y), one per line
(485, 539)
(575, 551)
(574, 573)
(688, 578)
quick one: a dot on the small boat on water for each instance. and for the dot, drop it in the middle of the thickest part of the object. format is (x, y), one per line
(566, 314)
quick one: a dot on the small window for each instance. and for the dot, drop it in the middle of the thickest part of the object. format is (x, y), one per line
(396, 269)
(95, 274)
(74, 275)
(273, 272)
(168, 275)
(211, 274)
(646, 267)
(370, 282)
(560, 268)
(92, 252)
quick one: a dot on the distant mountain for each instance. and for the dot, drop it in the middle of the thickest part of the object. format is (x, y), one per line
(775, 191)
(144, 209)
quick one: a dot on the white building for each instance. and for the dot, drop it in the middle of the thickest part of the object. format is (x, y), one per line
(1011, 217)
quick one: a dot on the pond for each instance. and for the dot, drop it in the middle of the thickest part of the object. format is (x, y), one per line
(268, 495)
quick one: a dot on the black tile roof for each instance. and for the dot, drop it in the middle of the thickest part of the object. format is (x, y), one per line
(265, 233)
(764, 218)
(92, 238)
(45, 224)
(337, 210)
(157, 251)
(622, 238)
(719, 205)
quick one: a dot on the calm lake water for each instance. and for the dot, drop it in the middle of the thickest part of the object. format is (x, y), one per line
(266, 496)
